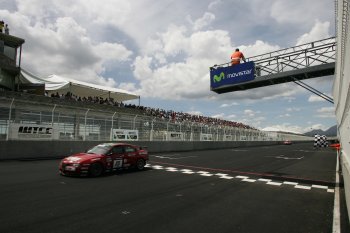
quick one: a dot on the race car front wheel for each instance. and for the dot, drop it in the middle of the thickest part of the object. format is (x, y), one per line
(95, 169)
(140, 164)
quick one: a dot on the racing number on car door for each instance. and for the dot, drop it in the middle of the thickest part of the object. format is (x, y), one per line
(117, 157)
(117, 163)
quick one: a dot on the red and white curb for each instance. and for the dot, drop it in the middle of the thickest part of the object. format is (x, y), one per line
(242, 178)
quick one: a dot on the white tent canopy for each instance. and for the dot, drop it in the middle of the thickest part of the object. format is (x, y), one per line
(61, 85)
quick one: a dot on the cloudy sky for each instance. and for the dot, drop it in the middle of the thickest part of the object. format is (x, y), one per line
(162, 51)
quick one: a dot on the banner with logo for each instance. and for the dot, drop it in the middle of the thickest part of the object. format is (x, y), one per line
(227, 137)
(226, 76)
(124, 135)
(22, 131)
(206, 137)
(174, 136)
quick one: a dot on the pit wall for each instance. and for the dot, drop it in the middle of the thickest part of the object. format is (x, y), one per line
(59, 149)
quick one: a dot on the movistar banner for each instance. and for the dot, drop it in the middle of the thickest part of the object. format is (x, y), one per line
(225, 76)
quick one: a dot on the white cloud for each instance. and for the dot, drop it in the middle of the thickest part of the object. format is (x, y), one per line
(326, 112)
(204, 21)
(219, 116)
(301, 12)
(258, 48)
(286, 127)
(315, 126)
(214, 4)
(318, 32)
(284, 115)
(228, 105)
(316, 98)
(61, 46)
(249, 113)
(293, 109)
(196, 113)
(189, 77)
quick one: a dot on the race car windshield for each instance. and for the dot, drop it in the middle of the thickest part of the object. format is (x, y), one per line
(99, 150)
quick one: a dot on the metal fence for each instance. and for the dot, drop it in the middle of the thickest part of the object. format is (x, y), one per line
(23, 119)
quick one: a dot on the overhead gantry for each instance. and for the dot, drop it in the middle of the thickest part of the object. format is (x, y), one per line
(311, 60)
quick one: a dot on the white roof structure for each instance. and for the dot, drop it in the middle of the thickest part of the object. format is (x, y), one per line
(62, 85)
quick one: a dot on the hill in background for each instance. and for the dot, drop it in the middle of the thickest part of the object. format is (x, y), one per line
(332, 131)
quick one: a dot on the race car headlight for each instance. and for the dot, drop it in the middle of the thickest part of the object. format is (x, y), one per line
(76, 164)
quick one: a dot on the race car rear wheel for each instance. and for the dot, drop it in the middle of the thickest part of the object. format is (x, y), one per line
(140, 164)
(95, 169)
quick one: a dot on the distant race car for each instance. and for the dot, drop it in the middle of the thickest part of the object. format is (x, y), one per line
(287, 142)
(106, 157)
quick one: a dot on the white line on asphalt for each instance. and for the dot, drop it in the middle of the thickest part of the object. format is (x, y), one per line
(226, 177)
(249, 180)
(187, 171)
(242, 177)
(290, 183)
(274, 183)
(204, 173)
(319, 186)
(221, 174)
(264, 180)
(171, 169)
(302, 187)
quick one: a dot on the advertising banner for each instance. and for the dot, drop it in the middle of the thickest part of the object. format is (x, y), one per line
(226, 76)
(206, 137)
(174, 136)
(124, 135)
(227, 137)
(24, 131)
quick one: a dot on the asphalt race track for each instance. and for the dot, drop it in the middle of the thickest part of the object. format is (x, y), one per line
(258, 189)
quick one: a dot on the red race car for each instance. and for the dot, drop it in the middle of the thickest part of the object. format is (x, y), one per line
(106, 157)
(287, 142)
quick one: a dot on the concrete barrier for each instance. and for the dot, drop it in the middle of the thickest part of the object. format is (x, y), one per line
(58, 149)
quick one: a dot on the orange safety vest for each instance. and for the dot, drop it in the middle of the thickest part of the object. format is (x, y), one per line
(236, 57)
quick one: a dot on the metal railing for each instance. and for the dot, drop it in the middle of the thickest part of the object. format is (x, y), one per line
(76, 123)
(293, 58)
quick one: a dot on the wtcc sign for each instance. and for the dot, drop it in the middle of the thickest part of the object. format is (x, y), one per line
(225, 76)
(33, 132)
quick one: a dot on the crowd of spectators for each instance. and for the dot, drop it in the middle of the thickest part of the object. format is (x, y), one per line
(168, 115)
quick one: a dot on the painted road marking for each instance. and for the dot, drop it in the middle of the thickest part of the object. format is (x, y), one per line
(319, 186)
(204, 173)
(264, 180)
(249, 180)
(302, 187)
(290, 183)
(187, 171)
(224, 176)
(274, 183)
(243, 178)
(171, 169)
